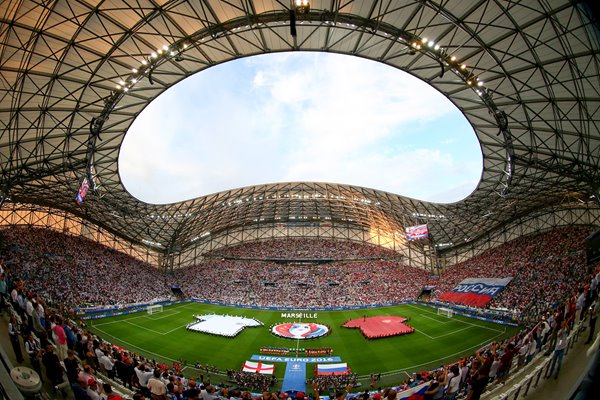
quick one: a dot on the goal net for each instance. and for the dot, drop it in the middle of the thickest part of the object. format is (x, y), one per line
(446, 312)
(154, 308)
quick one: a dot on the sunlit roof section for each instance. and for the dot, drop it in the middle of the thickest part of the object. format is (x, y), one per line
(292, 117)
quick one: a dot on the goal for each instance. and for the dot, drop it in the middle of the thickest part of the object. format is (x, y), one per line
(446, 312)
(154, 308)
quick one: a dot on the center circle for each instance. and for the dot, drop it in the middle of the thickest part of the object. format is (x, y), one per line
(300, 330)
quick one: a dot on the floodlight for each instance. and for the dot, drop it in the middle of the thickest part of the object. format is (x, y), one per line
(301, 6)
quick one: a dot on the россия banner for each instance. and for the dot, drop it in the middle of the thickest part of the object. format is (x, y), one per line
(476, 292)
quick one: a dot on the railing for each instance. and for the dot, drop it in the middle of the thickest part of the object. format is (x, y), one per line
(524, 385)
(8, 389)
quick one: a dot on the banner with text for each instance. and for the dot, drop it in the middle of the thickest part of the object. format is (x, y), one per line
(476, 292)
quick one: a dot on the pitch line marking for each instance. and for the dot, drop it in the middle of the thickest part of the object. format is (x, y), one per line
(453, 332)
(174, 329)
(137, 347)
(164, 316)
(126, 318)
(143, 327)
(423, 333)
(463, 322)
(139, 326)
(433, 319)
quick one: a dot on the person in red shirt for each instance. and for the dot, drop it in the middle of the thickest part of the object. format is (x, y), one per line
(110, 395)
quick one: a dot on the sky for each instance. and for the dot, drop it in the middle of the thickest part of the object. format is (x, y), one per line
(290, 117)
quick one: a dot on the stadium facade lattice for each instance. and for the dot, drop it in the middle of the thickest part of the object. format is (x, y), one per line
(75, 74)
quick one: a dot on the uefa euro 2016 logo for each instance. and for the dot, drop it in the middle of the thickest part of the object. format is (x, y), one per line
(300, 330)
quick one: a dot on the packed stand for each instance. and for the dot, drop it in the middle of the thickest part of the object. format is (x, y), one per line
(50, 338)
(304, 248)
(544, 268)
(71, 272)
(335, 284)
(252, 381)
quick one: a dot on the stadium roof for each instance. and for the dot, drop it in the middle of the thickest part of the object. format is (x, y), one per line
(75, 74)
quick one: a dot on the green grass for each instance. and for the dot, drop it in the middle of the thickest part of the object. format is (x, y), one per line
(436, 340)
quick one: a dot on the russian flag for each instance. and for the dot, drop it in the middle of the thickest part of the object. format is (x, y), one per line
(332, 369)
(416, 393)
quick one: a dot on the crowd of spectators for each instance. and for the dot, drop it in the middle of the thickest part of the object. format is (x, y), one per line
(44, 273)
(304, 248)
(76, 272)
(544, 267)
(334, 284)
(68, 271)
(334, 381)
(252, 381)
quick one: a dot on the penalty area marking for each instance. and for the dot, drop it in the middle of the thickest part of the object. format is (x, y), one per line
(436, 320)
(138, 317)
(128, 321)
(463, 322)
(137, 347)
(169, 313)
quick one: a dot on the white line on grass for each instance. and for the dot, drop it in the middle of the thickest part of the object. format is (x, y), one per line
(477, 346)
(174, 329)
(137, 347)
(462, 322)
(152, 330)
(164, 316)
(143, 327)
(453, 332)
(423, 333)
(434, 319)
(137, 317)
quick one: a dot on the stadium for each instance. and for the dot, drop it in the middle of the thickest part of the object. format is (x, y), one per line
(301, 288)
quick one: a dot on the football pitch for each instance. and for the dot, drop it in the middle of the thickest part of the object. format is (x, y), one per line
(437, 339)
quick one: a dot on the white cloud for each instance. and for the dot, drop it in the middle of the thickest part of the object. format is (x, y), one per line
(298, 117)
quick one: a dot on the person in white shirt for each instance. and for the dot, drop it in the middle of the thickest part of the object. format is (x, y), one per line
(531, 350)
(106, 361)
(158, 389)
(453, 383)
(143, 376)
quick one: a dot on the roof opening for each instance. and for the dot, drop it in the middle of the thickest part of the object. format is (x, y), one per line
(288, 117)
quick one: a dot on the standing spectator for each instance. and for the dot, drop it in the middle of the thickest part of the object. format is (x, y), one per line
(107, 363)
(453, 383)
(60, 338)
(435, 390)
(29, 311)
(3, 292)
(593, 311)
(54, 370)
(579, 306)
(79, 389)
(559, 350)
(532, 348)
(13, 333)
(110, 395)
(143, 375)
(34, 351)
(71, 367)
(157, 388)
(506, 360)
